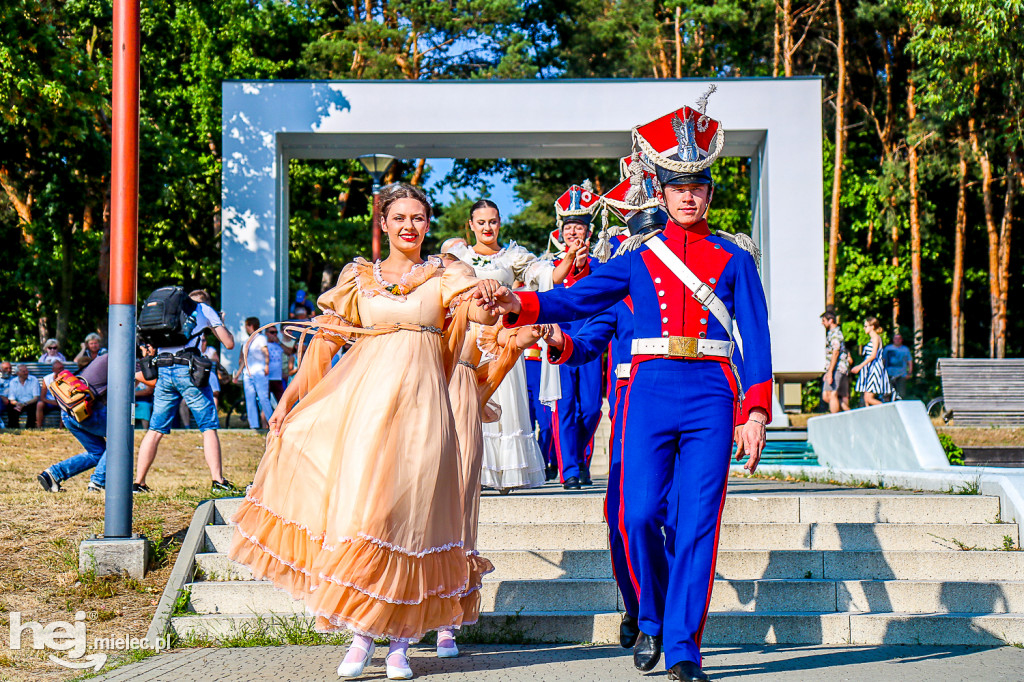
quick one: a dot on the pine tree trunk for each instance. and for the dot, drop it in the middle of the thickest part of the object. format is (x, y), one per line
(915, 239)
(957, 295)
(837, 171)
(776, 43)
(787, 37)
(1012, 177)
(992, 232)
(417, 176)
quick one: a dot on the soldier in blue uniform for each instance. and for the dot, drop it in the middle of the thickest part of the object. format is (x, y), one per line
(691, 392)
(540, 413)
(578, 410)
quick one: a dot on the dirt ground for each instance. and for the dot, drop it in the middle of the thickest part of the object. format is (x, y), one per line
(40, 533)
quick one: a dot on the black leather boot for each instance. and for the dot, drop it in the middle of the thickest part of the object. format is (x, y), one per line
(647, 652)
(687, 671)
(571, 483)
(629, 630)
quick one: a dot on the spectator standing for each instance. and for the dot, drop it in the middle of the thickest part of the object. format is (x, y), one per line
(300, 302)
(92, 348)
(143, 402)
(836, 381)
(173, 385)
(47, 403)
(210, 352)
(872, 380)
(899, 364)
(22, 395)
(275, 364)
(51, 352)
(254, 371)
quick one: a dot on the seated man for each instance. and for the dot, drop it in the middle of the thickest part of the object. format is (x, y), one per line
(47, 403)
(22, 394)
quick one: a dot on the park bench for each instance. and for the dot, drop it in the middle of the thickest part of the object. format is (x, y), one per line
(40, 370)
(982, 391)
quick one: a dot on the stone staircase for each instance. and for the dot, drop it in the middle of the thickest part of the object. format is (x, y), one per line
(798, 564)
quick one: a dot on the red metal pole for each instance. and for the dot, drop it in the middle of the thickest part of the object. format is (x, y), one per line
(375, 228)
(124, 252)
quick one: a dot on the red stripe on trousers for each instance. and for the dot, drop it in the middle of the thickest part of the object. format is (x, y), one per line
(718, 524)
(622, 488)
(557, 441)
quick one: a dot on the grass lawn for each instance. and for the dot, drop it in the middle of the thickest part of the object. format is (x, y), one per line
(40, 533)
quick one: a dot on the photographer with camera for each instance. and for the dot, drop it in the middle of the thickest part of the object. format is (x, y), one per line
(174, 323)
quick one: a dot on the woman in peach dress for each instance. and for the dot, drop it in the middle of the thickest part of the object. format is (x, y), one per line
(356, 506)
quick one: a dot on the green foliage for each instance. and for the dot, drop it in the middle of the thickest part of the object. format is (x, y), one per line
(954, 453)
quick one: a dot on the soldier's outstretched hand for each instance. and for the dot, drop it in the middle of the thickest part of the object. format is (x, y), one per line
(750, 439)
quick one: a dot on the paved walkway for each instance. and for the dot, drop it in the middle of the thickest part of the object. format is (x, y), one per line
(555, 663)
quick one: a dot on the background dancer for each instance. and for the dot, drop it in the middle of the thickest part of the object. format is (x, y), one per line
(578, 411)
(355, 507)
(686, 391)
(512, 458)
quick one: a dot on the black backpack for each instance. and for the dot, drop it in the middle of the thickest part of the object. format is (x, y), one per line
(166, 318)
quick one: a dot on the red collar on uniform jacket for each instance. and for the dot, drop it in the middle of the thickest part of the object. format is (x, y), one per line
(688, 235)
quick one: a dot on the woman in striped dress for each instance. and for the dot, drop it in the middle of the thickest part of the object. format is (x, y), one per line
(872, 379)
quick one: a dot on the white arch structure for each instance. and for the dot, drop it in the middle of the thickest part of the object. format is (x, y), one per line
(774, 122)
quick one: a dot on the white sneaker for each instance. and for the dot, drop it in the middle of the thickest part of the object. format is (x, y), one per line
(402, 671)
(355, 669)
(447, 648)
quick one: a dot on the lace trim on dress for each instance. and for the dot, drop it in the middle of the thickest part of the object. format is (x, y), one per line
(458, 592)
(277, 558)
(370, 282)
(321, 538)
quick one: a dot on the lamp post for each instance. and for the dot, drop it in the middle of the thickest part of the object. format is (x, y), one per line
(376, 165)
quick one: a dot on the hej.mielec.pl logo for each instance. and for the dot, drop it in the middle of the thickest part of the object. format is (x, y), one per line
(68, 637)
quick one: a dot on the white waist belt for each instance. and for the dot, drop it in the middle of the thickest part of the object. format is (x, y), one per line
(682, 347)
(622, 370)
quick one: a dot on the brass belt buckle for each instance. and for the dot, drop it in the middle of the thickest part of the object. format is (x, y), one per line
(682, 347)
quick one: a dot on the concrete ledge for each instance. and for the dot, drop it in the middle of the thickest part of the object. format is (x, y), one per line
(895, 436)
(114, 556)
(1004, 483)
(184, 566)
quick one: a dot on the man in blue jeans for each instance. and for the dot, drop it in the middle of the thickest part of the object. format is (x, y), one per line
(91, 434)
(174, 384)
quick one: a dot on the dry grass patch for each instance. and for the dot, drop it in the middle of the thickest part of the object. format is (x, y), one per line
(40, 533)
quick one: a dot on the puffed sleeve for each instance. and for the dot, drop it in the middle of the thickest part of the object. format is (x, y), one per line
(341, 301)
(533, 272)
(456, 280)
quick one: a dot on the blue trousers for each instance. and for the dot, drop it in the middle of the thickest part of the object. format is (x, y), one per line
(539, 412)
(677, 441)
(576, 416)
(92, 435)
(612, 503)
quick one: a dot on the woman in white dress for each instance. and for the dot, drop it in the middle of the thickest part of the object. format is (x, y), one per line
(512, 459)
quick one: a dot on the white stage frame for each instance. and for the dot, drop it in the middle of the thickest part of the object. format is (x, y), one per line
(774, 122)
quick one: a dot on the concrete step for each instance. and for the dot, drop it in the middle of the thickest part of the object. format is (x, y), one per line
(722, 628)
(526, 563)
(878, 508)
(552, 506)
(763, 596)
(508, 565)
(769, 536)
(866, 536)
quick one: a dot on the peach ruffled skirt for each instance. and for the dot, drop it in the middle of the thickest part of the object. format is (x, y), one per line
(357, 506)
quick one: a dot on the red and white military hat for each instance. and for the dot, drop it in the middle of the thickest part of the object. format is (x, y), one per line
(682, 144)
(577, 204)
(638, 190)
